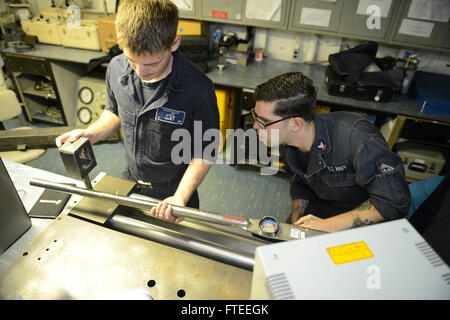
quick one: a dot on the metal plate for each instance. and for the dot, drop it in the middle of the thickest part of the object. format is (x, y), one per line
(99, 210)
(75, 259)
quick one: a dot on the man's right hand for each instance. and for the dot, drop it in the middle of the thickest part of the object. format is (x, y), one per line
(71, 136)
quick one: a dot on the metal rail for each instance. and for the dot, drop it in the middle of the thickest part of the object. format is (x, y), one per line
(145, 204)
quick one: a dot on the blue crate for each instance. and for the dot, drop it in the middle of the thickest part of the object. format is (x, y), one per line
(431, 92)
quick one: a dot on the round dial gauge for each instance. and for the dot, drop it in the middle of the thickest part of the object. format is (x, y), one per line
(269, 226)
(84, 115)
(86, 95)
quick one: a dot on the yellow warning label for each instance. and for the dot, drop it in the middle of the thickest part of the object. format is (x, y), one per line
(349, 252)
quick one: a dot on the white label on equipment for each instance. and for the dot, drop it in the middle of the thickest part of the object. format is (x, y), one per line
(297, 234)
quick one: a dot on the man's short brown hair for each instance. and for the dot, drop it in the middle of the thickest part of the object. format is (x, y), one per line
(146, 25)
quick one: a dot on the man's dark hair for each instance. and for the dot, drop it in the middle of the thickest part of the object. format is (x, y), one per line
(293, 92)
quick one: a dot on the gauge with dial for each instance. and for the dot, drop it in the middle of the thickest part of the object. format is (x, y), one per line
(269, 226)
(86, 95)
(84, 115)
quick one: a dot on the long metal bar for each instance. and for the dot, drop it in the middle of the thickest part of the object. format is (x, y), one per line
(182, 241)
(146, 204)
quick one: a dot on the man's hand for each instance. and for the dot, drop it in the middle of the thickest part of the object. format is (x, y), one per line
(164, 209)
(313, 222)
(105, 125)
(364, 214)
(70, 136)
(194, 175)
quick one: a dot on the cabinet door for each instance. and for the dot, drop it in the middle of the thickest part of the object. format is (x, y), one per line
(356, 21)
(421, 23)
(222, 10)
(187, 8)
(311, 15)
(266, 13)
(447, 41)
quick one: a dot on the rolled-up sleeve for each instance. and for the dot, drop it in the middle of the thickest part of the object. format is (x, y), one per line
(111, 103)
(380, 171)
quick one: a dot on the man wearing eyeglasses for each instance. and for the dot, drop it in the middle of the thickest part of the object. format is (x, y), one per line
(344, 174)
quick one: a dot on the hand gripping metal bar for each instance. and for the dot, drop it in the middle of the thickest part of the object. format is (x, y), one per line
(145, 204)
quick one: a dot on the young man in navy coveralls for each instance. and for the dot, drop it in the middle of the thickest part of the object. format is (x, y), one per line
(344, 174)
(152, 91)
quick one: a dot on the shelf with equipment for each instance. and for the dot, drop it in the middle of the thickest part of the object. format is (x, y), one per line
(39, 98)
(45, 88)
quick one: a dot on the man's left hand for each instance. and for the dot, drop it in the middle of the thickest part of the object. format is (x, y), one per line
(164, 209)
(313, 222)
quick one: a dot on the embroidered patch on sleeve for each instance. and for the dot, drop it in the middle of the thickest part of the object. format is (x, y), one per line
(321, 145)
(386, 168)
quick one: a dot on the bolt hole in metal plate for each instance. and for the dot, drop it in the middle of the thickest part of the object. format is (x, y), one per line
(93, 262)
(181, 293)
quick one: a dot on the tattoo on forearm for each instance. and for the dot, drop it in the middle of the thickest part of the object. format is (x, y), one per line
(298, 209)
(300, 205)
(366, 205)
(357, 222)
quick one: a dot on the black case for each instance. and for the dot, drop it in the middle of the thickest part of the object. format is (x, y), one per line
(338, 86)
(196, 50)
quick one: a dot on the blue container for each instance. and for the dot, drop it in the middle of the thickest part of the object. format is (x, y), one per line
(431, 92)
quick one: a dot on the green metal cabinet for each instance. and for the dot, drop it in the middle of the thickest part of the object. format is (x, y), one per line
(222, 10)
(259, 13)
(447, 41)
(355, 22)
(311, 15)
(417, 29)
(274, 15)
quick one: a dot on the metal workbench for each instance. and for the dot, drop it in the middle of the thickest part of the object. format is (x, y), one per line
(72, 257)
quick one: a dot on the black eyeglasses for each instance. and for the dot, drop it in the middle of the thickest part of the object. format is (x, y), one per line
(265, 125)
